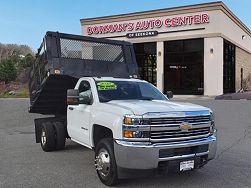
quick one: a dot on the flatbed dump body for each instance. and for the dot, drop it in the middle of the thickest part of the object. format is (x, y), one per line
(64, 58)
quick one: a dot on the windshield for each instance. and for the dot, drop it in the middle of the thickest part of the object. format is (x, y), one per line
(127, 90)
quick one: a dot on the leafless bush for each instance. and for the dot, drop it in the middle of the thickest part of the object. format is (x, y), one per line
(247, 83)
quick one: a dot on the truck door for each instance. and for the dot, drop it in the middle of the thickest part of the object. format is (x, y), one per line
(78, 116)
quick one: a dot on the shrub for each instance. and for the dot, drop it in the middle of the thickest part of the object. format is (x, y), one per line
(247, 83)
(8, 70)
(27, 61)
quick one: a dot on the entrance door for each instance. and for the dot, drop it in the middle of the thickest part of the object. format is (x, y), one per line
(146, 59)
(229, 68)
(183, 66)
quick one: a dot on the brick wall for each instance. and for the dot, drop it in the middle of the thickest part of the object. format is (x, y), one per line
(243, 60)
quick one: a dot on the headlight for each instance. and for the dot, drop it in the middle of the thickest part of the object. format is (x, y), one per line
(211, 116)
(212, 129)
(132, 120)
(136, 134)
(135, 120)
(136, 127)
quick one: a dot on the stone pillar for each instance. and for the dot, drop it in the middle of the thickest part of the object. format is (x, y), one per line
(160, 65)
(213, 66)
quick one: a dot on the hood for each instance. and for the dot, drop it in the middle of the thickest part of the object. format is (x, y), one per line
(140, 107)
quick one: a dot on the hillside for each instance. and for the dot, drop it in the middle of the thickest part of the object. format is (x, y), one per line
(7, 50)
(15, 62)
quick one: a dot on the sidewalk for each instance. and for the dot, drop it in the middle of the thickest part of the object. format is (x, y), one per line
(235, 96)
(192, 97)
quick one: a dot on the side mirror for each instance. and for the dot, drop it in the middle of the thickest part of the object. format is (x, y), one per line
(72, 97)
(169, 94)
(85, 100)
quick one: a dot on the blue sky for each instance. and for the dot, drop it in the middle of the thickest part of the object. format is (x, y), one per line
(26, 21)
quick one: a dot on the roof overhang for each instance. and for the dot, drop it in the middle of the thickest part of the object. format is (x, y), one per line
(168, 12)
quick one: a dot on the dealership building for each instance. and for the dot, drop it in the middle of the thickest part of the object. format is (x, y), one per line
(201, 49)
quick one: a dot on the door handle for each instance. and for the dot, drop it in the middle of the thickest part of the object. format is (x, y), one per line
(84, 128)
(71, 108)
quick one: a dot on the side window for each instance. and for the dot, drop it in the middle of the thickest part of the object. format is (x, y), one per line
(85, 92)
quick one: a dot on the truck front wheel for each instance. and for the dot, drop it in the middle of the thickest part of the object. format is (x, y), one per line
(48, 137)
(105, 162)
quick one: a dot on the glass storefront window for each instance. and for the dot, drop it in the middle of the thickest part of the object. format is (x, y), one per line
(146, 59)
(183, 66)
(229, 68)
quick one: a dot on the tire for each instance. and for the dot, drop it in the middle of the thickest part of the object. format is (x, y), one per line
(105, 163)
(60, 135)
(48, 142)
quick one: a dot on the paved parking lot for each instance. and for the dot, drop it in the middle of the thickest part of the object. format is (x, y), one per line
(24, 164)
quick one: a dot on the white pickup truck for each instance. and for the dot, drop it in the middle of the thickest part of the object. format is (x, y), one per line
(130, 124)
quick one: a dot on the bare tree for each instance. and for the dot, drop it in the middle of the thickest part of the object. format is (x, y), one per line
(247, 83)
(6, 50)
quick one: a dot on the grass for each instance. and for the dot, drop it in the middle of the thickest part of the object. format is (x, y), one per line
(18, 94)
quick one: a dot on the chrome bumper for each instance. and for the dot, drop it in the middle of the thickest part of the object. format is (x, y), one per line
(137, 155)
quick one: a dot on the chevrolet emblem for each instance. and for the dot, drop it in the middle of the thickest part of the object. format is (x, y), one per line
(185, 126)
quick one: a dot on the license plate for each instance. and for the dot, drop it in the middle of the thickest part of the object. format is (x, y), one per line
(186, 165)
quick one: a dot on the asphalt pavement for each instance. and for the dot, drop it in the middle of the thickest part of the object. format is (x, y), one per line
(24, 164)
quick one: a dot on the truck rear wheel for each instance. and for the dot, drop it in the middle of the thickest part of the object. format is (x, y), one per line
(60, 135)
(105, 162)
(48, 137)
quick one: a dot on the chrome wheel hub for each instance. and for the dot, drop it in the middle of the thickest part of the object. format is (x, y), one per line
(43, 137)
(102, 162)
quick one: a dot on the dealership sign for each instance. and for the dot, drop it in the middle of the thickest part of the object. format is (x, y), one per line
(164, 22)
(142, 34)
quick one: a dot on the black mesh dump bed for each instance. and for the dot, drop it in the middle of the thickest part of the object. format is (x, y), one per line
(63, 58)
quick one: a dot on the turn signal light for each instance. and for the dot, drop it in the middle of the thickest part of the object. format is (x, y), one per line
(128, 121)
(128, 134)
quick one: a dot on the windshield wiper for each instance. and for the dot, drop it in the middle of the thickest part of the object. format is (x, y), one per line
(146, 98)
(106, 100)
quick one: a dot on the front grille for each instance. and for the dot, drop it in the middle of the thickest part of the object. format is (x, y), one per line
(173, 135)
(176, 120)
(168, 129)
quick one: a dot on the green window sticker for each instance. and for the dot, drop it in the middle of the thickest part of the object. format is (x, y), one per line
(106, 86)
